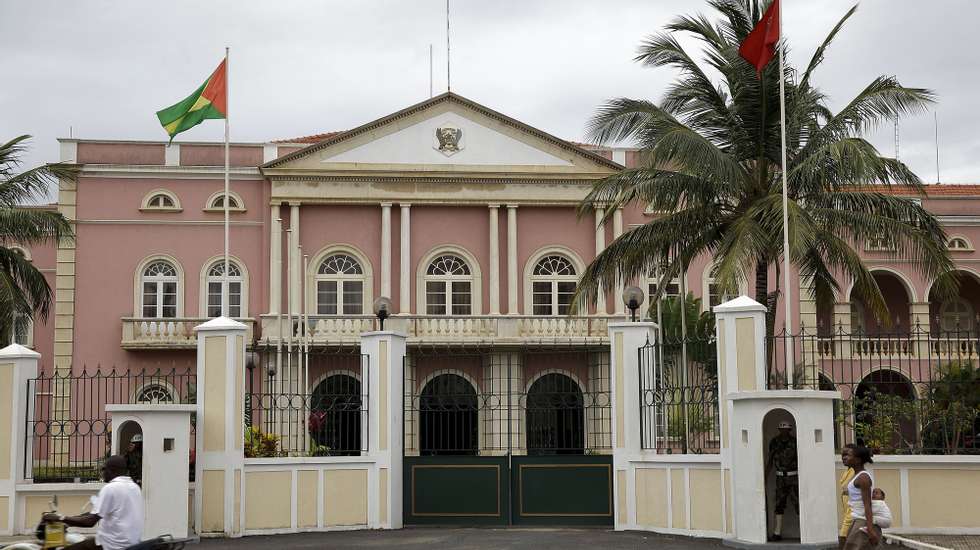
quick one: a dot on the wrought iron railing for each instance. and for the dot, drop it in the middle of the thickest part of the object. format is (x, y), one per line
(679, 395)
(909, 392)
(312, 403)
(68, 433)
(491, 400)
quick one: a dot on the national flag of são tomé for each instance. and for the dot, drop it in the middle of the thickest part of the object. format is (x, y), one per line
(208, 101)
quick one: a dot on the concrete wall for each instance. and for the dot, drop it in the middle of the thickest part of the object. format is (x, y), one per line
(687, 495)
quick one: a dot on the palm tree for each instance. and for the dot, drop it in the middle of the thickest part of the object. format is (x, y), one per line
(24, 291)
(711, 151)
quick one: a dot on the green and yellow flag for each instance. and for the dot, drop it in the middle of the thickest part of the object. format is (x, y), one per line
(208, 101)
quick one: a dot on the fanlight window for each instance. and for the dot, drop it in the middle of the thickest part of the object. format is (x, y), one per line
(159, 284)
(553, 286)
(448, 286)
(219, 202)
(958, 243)
(161, 200)
(956, 315)
(340, 286)
(155, 393)
(215, 281)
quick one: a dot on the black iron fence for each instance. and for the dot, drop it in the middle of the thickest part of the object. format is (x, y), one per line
(312, 403)
(679, 395)
(68, 433)
(499, 401)
(914, 391)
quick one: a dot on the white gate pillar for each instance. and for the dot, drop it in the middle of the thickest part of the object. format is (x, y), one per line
(386, 355)
(218, 502)
(625, 341)
(17, 365)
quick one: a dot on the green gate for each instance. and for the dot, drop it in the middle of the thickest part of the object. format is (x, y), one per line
(488, 442)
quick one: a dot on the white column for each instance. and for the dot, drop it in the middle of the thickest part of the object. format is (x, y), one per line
(294, 260)
(386, 353)
(625, 339)
(275, 260)
(17, 365)
(512, 286)
(386, 249)
(618, 232)
(219, 497)
(405, 261)
(494, 260)
(600, 245)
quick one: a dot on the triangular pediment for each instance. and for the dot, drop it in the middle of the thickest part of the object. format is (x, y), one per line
(446, 134)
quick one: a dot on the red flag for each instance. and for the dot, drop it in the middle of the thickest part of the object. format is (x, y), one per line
(759, 46)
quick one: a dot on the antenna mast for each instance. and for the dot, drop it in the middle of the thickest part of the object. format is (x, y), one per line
(935, 119)
(448, 81)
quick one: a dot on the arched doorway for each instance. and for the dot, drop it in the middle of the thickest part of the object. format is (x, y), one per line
(884, 415)
(448, 417)
(335, 416)
(130, 443)
(897, 296)
(555, 416)
(956, 317)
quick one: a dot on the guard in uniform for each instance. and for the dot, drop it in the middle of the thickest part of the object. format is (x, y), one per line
(782, 459)
(134, 459)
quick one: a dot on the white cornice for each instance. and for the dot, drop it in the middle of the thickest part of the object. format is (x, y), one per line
(959, 220)
(153, 171)
(169, 222)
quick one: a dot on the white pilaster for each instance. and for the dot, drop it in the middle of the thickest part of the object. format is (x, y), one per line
(220, 404)
(625, 340)
(386, 355)
(617, 233)
(494, 260)
(68, 150)
(405, 261)
(600, 245)
(386, 249)
(294, 260)
(17, 365)
(270, 151)
(275, 260)
(512, 286)
(171, 155)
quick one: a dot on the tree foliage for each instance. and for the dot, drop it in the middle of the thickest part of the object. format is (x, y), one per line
(710, 154)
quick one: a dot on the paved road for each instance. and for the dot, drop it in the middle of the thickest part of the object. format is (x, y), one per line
(466, 539)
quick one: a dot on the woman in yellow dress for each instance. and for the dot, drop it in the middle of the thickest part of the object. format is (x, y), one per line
(845, 478)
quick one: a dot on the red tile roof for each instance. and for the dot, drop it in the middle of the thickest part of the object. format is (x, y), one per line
(315, 138)
(931, 190)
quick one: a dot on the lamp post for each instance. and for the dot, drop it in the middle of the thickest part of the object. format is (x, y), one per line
(382, 309)
(633, 298)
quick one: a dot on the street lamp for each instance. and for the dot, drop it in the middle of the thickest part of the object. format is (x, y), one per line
(633, 298)
(382, 308)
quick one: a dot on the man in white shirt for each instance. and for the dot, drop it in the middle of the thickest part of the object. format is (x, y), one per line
(117, 509)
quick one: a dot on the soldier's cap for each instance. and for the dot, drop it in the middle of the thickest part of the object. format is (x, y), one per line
(138, 438)
(784, 425)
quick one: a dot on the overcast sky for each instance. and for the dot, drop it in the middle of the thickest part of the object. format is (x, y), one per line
(103, 67)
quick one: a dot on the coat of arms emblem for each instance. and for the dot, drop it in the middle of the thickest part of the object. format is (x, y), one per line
(449, 140)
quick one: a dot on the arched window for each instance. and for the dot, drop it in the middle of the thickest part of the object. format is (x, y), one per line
(215, 279)
(159, 289)
(959, 244)
(216, 202)
(555, 416)
(340, 286)
(160, 199)
(448, 286)
(956, 315)
(553, 285)
(448, 417)
(335, 415)
(155, 393)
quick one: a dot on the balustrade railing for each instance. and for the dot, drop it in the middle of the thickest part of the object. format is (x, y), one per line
(170, 333)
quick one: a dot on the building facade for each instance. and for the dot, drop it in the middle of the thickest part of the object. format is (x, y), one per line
(467, 220)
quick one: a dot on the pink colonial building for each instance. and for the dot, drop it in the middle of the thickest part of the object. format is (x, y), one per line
(465, 218)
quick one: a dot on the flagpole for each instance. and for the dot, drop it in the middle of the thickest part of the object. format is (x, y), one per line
(787, 321)
(225, 282)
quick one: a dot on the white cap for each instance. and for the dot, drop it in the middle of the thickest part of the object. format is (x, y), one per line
(784, 425)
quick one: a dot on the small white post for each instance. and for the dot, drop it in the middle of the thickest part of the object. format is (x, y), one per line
(17, 365)
(386, 356)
